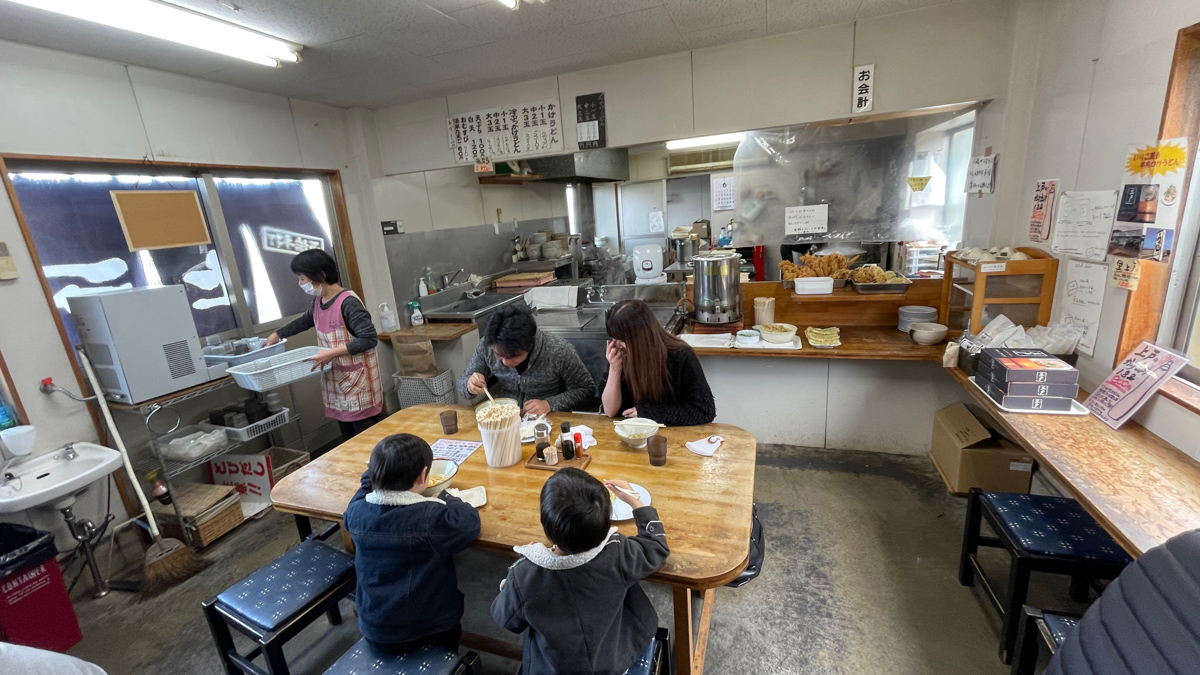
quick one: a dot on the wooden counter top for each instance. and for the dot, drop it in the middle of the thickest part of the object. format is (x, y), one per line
(882, 343)
(1141, 489)
(436, 332)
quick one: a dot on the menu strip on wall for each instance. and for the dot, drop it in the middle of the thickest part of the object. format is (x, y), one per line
(505, 133)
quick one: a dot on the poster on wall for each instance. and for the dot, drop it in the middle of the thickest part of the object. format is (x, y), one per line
(1082, 223)
(863, 82)
(1127, 272)
(1149, 208)
(500, 133)
(981, 174)
(806, 219)
(1082, 299)
(1045, 192)
(1133, 383)
(724, 194)
(590, 132)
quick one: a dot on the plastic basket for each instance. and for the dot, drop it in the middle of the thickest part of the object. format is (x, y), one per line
(285, 369)
(258, 428)
(232, 360)
(417, 390)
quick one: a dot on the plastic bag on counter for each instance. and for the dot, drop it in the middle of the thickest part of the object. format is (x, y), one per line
(1057, 338)
(186, 448)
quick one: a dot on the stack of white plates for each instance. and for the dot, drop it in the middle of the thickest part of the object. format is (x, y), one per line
(910, 314)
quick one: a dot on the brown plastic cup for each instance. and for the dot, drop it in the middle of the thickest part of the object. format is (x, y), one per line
(656, 447)
(449, 420)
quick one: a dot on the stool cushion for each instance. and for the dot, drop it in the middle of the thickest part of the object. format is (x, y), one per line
(1054, 526)
(280, 590)
(643, 663)
(1059, 626)
(362, 659)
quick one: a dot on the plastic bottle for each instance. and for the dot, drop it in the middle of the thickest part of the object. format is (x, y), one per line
(579, 444)
(418, 319)
(422, 289)
(387, 318)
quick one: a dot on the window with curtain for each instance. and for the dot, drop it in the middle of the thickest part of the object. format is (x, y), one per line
(83, 250)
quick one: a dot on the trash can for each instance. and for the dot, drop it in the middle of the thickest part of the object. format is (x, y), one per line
(35, 609)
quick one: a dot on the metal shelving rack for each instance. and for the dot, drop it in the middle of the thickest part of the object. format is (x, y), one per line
(172, 468)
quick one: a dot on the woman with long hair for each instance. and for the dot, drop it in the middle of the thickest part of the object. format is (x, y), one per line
(652, 373)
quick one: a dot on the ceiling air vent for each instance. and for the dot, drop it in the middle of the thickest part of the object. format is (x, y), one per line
(715, 159)
(179, 359)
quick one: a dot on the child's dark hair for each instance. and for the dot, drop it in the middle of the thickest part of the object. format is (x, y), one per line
(397, 462)
(317, 265)
(510, 331)
(575, 510)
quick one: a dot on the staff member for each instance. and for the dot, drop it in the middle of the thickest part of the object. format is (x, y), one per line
(541, 371)
(652, 373)
(352, 389)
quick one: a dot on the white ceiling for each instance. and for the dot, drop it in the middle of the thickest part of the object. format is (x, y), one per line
(375, 53)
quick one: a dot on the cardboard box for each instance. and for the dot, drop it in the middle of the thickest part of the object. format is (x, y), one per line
(1027, 365)
(1011, 402)
(967, 455)
(984, 374)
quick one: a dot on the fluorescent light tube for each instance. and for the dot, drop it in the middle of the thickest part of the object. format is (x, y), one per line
(169, 22)
(511, 4)
(701, 141)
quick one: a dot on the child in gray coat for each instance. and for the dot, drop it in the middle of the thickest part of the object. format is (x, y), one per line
(579, 601)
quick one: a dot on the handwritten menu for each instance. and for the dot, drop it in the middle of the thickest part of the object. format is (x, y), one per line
(1127, 272)
(1044, 195)
(1082, 223)
(1135, 380)
(500, 133)
(456, 451)
(806, 219)
(981, 174)
(1082, 300)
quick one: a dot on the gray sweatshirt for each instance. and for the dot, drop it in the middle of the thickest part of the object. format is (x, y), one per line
(554, 373)
(584, 614)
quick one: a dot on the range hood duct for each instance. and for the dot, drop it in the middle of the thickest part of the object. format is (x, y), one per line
(590, 166)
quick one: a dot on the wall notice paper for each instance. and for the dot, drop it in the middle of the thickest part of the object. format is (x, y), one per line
(8, 268)
(806, 219)
(863, 82)
(1149, 209)
(1127, 272)
(656, 221)
(1083, 298)
(724, 194)
(981, 174)
(1082, 223)
(455, 451)
(513, 131)
(918, 183)
(590, 132)
(1044, 195)
(1132, 384)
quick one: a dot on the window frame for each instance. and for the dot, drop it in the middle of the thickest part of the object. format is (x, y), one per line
(205, 174)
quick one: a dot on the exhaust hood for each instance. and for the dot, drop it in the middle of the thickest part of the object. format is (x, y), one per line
(590, 166)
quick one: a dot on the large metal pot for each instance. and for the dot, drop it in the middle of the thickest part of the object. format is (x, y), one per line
(717, 286)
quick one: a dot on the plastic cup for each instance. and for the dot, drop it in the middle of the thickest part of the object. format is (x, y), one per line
(656, 447)
(449, 419)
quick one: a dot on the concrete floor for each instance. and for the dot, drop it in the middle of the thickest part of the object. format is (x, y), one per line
(860, 577)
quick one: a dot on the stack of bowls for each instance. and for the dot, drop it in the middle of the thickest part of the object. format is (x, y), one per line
(910, 314)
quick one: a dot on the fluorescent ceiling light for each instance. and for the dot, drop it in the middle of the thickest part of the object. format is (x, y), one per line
(169, 22)
(701, 141)
(511, 4)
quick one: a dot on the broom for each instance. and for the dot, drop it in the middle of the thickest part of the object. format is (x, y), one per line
(168, 561)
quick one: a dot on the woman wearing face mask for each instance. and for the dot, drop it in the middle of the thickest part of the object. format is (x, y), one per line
(352, 388)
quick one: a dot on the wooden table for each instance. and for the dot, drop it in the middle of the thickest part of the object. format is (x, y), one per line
(1141, 489)
(879, 343)
(705, 502)
(432, 331)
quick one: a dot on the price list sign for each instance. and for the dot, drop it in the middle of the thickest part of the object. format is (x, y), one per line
(589, 121)
(503, 133)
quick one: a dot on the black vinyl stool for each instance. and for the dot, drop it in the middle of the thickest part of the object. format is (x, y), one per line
(1038, 626)
(425, 661)
(1041, 534)
(272, 605)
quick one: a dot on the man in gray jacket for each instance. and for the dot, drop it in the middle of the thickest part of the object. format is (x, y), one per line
(541, 371)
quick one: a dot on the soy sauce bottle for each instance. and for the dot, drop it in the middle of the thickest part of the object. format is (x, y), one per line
(568, 445)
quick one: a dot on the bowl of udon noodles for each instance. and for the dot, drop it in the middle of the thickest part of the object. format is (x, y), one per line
(635, 430)
(441, 472)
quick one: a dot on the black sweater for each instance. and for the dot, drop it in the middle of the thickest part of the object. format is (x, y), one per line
(689, 400)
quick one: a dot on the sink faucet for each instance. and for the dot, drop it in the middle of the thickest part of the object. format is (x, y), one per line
(68, 452)
(449, 277)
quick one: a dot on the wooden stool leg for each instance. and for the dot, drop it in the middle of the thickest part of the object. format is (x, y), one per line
(335, 615)
(1081, 587)
(970, 544)
(1018, 591)
(1025, 657)
(273, 655)
(222, 636)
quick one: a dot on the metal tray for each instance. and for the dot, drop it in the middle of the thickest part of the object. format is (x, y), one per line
(868, 289)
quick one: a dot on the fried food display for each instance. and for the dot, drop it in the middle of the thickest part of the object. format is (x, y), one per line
(875, 275)
(823, 337)
(834, 265)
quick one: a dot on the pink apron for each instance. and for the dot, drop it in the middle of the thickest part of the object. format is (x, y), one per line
(353, 387)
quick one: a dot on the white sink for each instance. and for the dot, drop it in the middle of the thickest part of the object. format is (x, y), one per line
(52, 476)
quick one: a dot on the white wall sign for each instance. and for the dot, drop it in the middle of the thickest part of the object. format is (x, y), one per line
(981, 174)
(656, 221)
(514, 131)
(1082, 222)
(863, 82)
(806, 219)
(724, 194)
(1083, 298)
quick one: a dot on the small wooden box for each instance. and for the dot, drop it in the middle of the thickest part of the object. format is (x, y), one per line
(209, 511)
